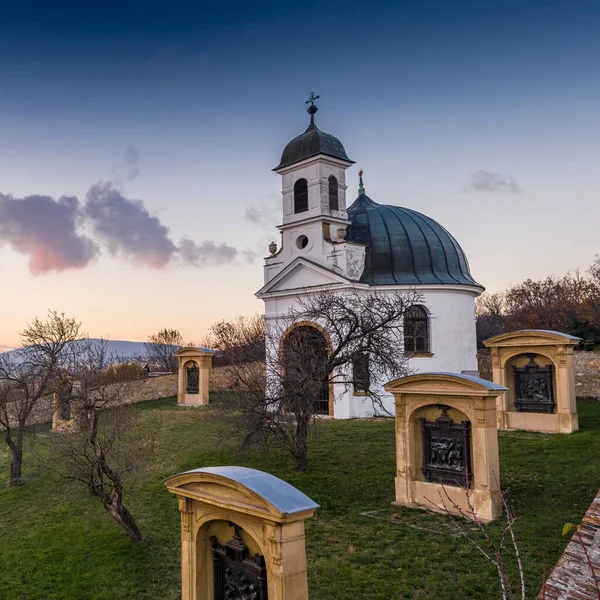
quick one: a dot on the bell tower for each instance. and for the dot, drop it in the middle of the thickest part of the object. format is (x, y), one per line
(313, 185)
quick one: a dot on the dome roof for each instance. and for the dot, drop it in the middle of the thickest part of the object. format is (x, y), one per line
(312, 142)
(405, 247)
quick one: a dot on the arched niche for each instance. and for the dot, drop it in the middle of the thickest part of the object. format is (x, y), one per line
(194, 366)
(447, 443)
(429, 414)
(259, 511)
(531, 381)
(230, 556)
(535, 350)
(192, 377)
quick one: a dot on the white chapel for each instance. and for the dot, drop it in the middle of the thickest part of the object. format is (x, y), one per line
(367, 246)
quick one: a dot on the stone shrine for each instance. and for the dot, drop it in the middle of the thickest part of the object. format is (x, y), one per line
(242, 535)
(447, 443)
(537, 368)
(194, 368)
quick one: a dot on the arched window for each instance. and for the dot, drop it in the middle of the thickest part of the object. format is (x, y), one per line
(334, 203)
(361, 377)
(300, 196)
(416, 331)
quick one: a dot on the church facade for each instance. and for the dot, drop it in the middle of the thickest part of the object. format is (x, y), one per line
(367, 247)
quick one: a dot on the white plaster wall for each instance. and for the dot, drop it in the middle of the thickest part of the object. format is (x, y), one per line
(452, 332)
(452, 338)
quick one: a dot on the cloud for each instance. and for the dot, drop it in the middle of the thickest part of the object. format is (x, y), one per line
(129, 168)
(262, 215)
(206, 253)
(45, 230)
(127, 228)
(251, 256)
(484, 181)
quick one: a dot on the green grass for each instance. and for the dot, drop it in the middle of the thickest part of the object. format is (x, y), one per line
(56, 543)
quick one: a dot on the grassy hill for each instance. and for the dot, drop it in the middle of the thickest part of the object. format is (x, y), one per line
(57, 544)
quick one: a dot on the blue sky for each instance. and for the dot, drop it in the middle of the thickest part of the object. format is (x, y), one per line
(187, 106)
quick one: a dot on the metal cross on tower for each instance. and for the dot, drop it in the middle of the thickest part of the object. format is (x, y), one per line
(312, 98)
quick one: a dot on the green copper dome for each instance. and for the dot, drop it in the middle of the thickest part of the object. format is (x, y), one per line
(405, 247)
(312, 142)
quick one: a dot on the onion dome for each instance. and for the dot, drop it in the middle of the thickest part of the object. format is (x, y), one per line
(312, 142)
(404, 246)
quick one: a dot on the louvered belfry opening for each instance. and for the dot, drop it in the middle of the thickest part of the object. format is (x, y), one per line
(334, 202)
(300, 196)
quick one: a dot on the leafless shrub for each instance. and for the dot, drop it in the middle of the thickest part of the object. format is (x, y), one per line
(493, 550)
(161, 348)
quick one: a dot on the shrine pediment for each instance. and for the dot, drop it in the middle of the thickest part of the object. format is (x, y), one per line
(302, 274)
(532, 337)
(243, 490)
(447, 383)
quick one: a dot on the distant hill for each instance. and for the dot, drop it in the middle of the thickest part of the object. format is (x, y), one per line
(122, 349)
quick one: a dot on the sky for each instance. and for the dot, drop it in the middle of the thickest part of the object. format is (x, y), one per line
(137, 142)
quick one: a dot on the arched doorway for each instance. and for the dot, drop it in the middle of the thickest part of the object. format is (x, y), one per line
(305, 365)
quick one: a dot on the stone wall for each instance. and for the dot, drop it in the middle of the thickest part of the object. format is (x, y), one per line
(161, 386)
(150, 388)
(223, 379)
(572, 578)
(587, 372)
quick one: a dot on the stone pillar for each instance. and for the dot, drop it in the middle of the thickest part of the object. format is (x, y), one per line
(193, 358)
(452, 418)
(544, 348)
(235, 507)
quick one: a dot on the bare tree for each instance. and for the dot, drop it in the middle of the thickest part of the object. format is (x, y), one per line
(243, 338)
(28, 374)
(570, 303)
(112, 446)
(161, 348)
(491, 316)
(327, 342)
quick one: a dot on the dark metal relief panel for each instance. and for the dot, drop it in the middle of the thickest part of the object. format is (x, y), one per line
(446, 450)
(193, 380)
(237, 574)
(533, 387)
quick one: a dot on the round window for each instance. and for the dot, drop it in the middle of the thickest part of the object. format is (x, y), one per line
(301, 241)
